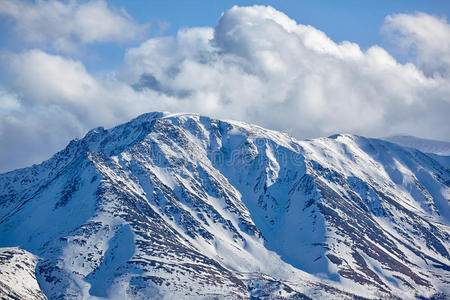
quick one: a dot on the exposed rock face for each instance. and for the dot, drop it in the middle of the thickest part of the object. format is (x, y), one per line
(173, 206)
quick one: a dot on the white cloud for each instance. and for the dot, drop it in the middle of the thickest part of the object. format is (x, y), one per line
(41, 77)
(28, 134)
(65, 26)
(426, 37)
(256, 65)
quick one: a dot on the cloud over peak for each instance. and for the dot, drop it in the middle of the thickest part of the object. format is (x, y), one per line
(256, 65)
(261, 66)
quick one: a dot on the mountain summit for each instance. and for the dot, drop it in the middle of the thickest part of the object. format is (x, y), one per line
(182, 206)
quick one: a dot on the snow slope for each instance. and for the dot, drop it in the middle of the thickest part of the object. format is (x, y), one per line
(18, 278)
(183, 206)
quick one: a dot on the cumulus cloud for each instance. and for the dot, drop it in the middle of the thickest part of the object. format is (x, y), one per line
(30, 134)
(65, 26)
(426, 38)
(40, 80)
(259, 65)
(256, 65)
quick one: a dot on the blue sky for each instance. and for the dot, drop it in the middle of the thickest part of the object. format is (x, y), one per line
(353, 20)
(308, 68)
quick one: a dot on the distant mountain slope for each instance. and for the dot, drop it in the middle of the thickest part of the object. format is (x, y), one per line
(183, 206)
(424, 145)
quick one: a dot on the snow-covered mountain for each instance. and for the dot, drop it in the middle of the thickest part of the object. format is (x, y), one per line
(184, 206)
